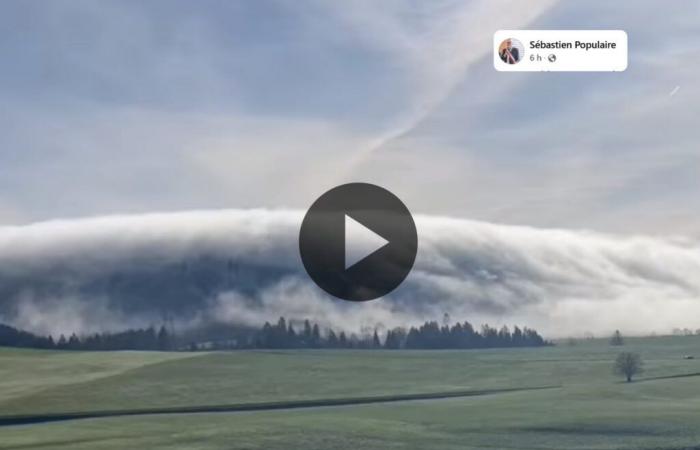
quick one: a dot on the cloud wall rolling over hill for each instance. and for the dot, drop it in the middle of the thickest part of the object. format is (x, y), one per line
(242, 266)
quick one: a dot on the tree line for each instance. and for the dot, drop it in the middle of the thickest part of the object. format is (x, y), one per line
(133, 339)
(284, 335)
(430, 335)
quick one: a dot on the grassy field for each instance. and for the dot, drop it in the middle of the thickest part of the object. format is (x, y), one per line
(586, 406)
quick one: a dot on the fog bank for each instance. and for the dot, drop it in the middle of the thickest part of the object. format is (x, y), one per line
(242, 266)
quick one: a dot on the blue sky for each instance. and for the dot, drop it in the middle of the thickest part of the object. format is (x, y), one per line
(126, 107)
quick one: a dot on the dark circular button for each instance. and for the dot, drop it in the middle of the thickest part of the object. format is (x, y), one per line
(358, 242)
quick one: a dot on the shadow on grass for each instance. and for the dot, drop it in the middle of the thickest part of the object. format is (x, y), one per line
(663, 377)
(250, 407)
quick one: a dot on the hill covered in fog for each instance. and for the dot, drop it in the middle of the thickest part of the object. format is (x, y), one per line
(242, 267)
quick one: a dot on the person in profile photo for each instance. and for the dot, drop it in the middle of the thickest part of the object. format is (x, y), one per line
(509, 53)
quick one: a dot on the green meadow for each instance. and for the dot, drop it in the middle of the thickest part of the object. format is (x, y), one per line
(563, 397)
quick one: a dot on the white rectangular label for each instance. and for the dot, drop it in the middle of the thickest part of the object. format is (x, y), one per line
(560, 50)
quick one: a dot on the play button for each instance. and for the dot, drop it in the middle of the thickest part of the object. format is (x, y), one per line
(358, 242)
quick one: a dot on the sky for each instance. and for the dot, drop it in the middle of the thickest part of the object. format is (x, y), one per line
(128, 107)
(132, 108)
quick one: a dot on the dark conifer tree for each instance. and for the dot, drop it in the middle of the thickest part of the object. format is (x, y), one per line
(163, 339)
(315, 337)
(332, 339)
(376, 343)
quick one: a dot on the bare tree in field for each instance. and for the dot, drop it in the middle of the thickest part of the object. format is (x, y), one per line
(628, 364)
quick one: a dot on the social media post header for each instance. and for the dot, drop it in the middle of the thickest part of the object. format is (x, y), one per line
(560, 50)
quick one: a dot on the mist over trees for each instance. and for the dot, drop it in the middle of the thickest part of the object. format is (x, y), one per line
(285, 334)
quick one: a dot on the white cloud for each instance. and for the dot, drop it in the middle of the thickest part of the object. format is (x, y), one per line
(107, 272)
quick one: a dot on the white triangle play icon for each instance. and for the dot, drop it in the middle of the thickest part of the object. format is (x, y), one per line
(360, 242)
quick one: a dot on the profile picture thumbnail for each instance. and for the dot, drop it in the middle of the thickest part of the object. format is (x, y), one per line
(511, 51)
